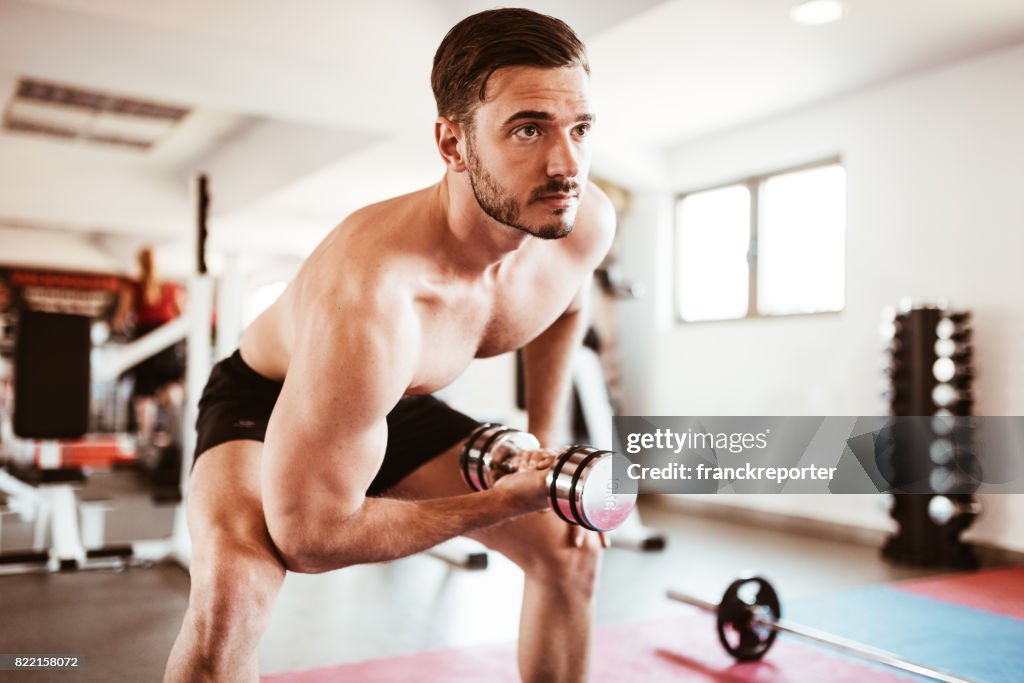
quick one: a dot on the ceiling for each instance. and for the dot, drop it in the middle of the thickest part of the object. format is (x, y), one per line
(303, 111)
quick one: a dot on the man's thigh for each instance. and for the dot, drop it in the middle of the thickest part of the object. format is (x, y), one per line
(422, 430)
(236, 571)
(439, 477)
(225, 504)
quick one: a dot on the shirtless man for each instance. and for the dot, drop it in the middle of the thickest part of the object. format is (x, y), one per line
(319, 444)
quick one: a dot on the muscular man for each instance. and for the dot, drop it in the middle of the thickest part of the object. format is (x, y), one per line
(319, 443)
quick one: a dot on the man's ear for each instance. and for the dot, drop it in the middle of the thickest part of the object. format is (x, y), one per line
(447, 135)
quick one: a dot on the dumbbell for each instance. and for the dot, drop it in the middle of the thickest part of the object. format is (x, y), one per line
(586, 486)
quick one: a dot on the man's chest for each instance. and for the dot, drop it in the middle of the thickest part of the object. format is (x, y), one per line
(488, 321)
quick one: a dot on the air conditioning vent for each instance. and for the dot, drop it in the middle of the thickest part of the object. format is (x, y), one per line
(72, 113)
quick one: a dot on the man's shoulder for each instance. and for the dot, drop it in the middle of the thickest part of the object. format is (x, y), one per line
(357, 278)
(595, 222)
(355, 274)
(384, 211)
(599, 207)
(366, 247)
(368, 302)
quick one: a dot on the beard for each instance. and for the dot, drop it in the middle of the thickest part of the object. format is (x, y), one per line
(500, 205)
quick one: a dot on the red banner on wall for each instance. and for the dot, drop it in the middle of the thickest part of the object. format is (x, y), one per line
(87, 294)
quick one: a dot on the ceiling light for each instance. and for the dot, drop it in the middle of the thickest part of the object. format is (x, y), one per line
(817, 12)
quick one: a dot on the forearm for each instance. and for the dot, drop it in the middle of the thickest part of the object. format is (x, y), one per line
(547, 364)
(384, 529)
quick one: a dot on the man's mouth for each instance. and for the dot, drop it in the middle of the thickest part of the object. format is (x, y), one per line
(559, 199)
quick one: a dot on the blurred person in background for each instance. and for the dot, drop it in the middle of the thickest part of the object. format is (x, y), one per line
(145, 305)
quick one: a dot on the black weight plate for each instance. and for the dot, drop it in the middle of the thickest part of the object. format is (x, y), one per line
(740, 635)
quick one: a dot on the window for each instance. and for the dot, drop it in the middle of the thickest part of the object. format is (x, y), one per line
(770, 245)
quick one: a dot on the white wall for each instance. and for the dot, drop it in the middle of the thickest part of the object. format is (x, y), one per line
(935, 167)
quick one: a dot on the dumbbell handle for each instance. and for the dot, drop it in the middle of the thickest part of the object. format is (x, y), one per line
(504, 451)
(504, 454)
(505, 466)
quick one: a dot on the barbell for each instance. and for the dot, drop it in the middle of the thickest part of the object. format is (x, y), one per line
(749, 619)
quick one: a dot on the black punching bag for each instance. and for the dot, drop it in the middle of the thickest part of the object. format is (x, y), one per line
(51, 375)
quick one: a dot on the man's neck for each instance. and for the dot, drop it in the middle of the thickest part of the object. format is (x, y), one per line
(472, 240)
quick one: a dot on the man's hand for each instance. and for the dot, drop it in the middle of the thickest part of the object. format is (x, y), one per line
(528, 484)
(580, 537)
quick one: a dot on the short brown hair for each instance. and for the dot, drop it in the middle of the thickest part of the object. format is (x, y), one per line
(481, 44)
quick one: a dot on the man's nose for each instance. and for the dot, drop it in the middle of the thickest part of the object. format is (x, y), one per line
(563, 157)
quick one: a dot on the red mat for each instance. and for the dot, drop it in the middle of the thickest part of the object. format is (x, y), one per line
(1000, 591)
(665, 651)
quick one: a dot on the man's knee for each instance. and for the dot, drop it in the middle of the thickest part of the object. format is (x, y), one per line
(544, 549)
(233, 592)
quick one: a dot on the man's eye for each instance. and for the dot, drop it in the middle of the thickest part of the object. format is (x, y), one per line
(583, 129)
(528, 132)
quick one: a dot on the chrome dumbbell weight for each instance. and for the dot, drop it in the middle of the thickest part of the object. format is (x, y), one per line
(586, 486)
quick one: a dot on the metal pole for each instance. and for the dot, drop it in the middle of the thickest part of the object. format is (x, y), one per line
(229, 306)
(848, 646)
(860, 650)
(202, 214)
(695, 601)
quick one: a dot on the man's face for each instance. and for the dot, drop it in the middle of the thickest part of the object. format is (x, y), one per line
(528, 150)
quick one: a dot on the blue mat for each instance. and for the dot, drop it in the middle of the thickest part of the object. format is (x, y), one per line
(976, 645)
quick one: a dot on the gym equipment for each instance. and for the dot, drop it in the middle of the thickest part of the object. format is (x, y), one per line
(749, 619)
(943, 509)
(74, 525)
(929, 373)
(131, 354)
(582, 487)
(461, 552)
(51, 375)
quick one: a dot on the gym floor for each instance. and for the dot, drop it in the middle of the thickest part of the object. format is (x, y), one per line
(124, 623)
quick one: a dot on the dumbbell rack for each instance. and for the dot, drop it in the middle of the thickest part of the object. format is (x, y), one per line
(928, 382)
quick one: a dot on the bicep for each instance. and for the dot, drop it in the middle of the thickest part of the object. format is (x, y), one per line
(327, 435)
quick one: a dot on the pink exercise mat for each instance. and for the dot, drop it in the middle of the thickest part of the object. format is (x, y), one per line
(664, 651)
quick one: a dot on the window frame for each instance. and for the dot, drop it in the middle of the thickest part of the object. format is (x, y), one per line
(753, 184)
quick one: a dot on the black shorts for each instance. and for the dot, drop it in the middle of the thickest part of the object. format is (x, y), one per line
(160, 369)
(237, 402)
